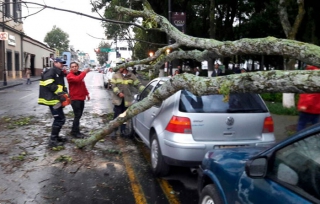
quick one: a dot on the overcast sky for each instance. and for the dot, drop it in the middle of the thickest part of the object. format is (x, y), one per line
(78, 27)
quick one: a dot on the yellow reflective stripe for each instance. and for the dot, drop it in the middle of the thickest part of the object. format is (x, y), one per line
(59, 89)
(136, 82)
(49, 103)
(116, 90)
(46, 82)
(119, 81)
(129, 81)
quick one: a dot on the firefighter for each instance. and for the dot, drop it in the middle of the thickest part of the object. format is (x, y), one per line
(123, 83)
(53, 93)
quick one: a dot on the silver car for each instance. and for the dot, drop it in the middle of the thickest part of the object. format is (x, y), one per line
(181, 129)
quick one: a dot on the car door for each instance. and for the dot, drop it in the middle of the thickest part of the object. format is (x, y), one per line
(293, 176)
(144, 119)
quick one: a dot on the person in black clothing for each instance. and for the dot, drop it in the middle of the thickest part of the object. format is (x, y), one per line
(216, 71)
(51, 93)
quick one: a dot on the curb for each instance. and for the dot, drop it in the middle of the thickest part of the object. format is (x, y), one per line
(15, 84)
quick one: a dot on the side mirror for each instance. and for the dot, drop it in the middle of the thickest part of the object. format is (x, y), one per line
(136, 97)
(257, 168)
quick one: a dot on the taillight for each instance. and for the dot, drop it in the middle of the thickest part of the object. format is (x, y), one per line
(268, 125)
(179, 125)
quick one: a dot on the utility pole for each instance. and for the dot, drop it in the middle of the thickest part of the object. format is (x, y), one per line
(169, 39)
(3, 49)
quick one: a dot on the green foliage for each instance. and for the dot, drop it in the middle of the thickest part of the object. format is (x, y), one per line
(12, 123)
(57, 39)
(102, 57)
(63, 158)
(20, 157)
(277, 108)
(58, 148)
(276, 97)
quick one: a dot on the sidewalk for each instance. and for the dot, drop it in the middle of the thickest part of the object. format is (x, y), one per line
(16, 82)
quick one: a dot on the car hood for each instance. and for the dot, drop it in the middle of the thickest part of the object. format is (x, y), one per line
(231, 160)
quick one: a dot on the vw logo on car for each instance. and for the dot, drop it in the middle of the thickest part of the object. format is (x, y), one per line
(230, 121)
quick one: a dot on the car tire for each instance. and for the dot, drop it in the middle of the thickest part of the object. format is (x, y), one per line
(158, 165)
(210, 195)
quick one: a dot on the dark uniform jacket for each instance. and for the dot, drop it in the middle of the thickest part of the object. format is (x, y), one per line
(51, 83)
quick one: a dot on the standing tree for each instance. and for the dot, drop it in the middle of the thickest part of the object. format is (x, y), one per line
(102, 57)
(57, 39)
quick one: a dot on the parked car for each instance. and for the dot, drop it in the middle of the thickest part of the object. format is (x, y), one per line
(181, 129)
(288, 172)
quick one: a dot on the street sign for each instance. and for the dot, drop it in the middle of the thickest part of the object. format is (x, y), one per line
(3, 36)
(106, 49)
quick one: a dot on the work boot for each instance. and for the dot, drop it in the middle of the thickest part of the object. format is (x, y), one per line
(55, 132)
(53, 142)
(77, 135)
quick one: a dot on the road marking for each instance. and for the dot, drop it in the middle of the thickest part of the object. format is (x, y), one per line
(26, 96)
(165, 186)
(135, 185)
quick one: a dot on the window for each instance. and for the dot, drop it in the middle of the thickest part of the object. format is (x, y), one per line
(147, 90)
(238, 103)
(16, 11)
(297, 166)
(7, 8)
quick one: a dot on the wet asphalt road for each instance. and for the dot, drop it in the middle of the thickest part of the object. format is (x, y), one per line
(101, 175)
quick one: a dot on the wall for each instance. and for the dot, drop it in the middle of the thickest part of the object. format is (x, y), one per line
(36, 54)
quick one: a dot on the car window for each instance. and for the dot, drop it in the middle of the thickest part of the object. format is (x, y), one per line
(147, 90)
(299, 166)
(238, 103)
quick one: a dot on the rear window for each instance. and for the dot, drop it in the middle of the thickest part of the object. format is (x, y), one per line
(238, 103)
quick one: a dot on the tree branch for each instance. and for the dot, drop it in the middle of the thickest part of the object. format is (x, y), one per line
(257, 82)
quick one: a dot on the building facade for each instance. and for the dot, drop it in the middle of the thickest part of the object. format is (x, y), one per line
(18, 51)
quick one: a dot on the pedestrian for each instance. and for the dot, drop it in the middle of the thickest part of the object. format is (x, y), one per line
(78, 94)
(243, 70)
(176, 72)
(180, 70)
(123, 83)
(308, 107)
(110, 74)
(134, 71)
(196, 71)
(28, 73)
(53, 93)
(216, 71)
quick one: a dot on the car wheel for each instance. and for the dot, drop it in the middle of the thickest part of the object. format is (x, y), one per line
(159, 166)
(210, 195)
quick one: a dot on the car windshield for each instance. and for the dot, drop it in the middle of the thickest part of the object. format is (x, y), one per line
(238, 103)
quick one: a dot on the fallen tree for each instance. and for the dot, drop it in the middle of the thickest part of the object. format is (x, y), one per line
(257, 82)
(254, 82)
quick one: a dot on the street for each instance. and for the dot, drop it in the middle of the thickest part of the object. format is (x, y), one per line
(114, 171)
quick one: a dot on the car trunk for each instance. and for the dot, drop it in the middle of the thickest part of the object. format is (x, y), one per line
(218, 127)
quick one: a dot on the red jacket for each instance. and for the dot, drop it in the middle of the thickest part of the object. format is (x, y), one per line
(77, 87)
(311, 102)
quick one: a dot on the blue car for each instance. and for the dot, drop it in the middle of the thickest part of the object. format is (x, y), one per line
(288, 172)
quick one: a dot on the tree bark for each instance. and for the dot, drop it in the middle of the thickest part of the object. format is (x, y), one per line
(254, 82)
